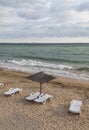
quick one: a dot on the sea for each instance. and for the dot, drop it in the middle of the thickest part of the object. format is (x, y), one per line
(64, 59)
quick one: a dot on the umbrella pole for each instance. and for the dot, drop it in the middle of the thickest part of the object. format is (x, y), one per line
(40, 88)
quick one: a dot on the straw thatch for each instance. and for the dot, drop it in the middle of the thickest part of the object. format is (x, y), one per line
(41, 77)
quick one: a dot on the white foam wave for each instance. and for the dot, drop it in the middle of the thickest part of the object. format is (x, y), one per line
(36, 66)
(40, 64)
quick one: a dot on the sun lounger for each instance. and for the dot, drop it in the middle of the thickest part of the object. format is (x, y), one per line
(75, 106)
(43, 98)
(33, 96)
(1, 85)
(13, 91)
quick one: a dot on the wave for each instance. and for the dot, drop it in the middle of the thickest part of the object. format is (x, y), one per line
(55, 59)
(34, 66)
(37, 63)
(83, 69)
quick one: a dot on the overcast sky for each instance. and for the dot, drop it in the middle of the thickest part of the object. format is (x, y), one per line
(44, 20)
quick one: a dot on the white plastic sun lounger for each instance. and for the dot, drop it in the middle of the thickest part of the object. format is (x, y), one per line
(33, 96)
(13, 91)
(75, 106)
(1, 85)
(43, 98)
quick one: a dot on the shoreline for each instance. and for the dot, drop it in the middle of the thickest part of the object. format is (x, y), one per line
(57, 77)
(17, 113)
(63, 81)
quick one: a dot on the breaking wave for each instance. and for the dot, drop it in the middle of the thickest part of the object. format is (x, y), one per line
(36, 63)
(34, 66)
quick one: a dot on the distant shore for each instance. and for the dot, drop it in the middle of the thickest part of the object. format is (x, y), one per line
(17, 113)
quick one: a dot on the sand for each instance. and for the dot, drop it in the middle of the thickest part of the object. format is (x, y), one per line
(18, 114)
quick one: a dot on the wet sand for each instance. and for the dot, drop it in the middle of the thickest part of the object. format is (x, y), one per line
(18, 114)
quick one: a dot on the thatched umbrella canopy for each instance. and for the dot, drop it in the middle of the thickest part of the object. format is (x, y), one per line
(41, 78)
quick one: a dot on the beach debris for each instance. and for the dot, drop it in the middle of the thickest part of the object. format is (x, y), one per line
(1, 85)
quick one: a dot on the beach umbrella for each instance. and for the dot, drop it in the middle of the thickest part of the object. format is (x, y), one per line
(41, 77)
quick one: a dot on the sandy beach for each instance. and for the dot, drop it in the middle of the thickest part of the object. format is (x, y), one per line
(18, 114)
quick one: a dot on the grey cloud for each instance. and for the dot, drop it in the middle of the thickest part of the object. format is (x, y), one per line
(83, 6)
(39, 18)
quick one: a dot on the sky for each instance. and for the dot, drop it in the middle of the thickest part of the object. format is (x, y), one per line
(44, 21)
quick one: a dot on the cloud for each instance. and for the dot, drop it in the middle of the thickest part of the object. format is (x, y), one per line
(43, 18)
(83, 6)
